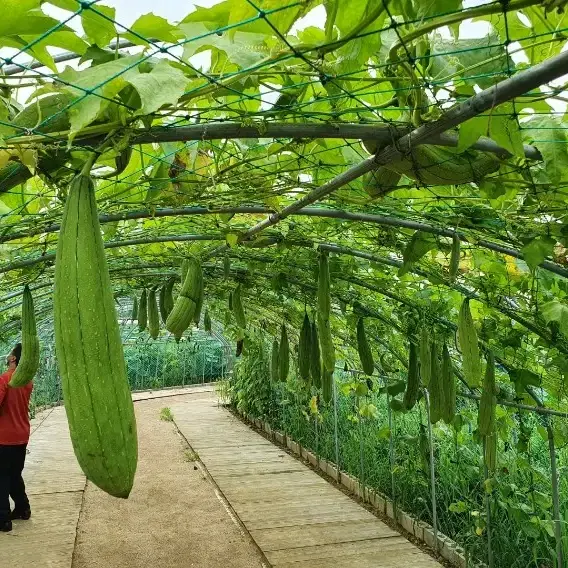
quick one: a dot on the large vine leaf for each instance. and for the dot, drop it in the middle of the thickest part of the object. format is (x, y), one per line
(500, 124)
(481, 61)
(244, 48)
(558, 312)
(538, 250)
(164, 85)
(98, 23)
(94, 88)
(432, 8)
(548, 134)
(23, 17)
(150, 26)
(504, 128)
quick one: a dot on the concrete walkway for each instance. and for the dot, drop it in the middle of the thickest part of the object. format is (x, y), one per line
(295, 517)
(244, 503)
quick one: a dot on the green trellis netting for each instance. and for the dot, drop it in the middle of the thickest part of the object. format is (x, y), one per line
(257, 135)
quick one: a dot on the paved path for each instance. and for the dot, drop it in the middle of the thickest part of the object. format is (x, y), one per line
(296, 517)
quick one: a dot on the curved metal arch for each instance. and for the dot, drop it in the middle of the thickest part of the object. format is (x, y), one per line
(383, 220)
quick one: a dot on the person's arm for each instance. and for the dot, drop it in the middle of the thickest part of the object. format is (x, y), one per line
(3, 388)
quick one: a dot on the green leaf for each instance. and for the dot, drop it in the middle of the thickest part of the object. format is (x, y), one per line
(244, 48)
(523, 378)
(537, 250)
(504, 129)
(458, 507)
(67, 40)
(418, 246)
(482, 61)
(282, 20)
(384, 433)
(23, 17)
(160, 180)
(548, 134)
(396, 388)
(98, 23)
(150, 26)
(397, 405)
(164, 85)
(71, 5)
(232, 239)
(471, 130)
(556, 311)
(38, 51)
(431, 8)
(103, 82)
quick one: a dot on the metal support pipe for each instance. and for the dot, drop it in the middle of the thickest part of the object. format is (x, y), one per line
(116, 244)
(432, 471)
(391, 452)
(335, 429)
(555, 497)
(307, 211)
(487, 510)
(381, 133)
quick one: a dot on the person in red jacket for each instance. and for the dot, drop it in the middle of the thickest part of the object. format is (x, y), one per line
(14, 437)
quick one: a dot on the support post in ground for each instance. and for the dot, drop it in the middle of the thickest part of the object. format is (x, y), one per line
(432, 471)
(488, 511)
(335, 428)
(555, 497)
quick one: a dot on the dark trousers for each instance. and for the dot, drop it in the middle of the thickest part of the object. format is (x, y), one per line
(12, 459)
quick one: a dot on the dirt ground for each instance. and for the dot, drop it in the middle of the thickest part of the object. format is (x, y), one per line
(173, 518)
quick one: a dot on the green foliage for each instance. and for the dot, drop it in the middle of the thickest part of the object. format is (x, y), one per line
(166, 415)
(250, 387)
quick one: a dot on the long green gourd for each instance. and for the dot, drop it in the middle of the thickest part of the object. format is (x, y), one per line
(143, 311)
(169, 297)
(29, 360)
(162, 304)
(134, 315)
(488, 400)
(274, 362)
(323, 313)
(238, 308)
(185, 305)
(207, 321)
(184, 269)
(467, 337)
(284, 355)
(435, 388)
(304, 349)
(315, 357)
(425, 357)
(89, 350)
(413, 383)
(153, 317)
(448, 387)
(364, 349)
